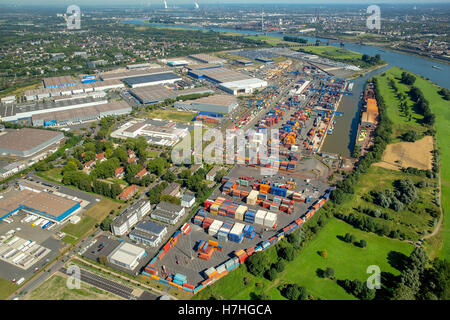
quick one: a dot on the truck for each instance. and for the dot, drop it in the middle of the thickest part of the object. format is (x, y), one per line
(20, 281)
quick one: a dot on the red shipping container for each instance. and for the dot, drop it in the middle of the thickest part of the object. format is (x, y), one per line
(163, 253)
(166, 247)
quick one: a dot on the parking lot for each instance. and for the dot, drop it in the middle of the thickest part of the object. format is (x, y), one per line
(43, 238)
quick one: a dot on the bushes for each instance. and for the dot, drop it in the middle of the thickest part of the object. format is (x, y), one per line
(294, 292)
(287, 253)
(357, 288)
(410, 136)
(256, 264)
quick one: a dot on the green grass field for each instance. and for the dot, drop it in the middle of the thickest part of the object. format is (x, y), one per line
(55, 288)
(173, 115)
(348, 261)
(79, 229)
(7, 288)
(400, 121)
(333, 52)
(441, 109)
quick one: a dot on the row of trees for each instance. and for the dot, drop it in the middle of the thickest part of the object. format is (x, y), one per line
(422, 105)
(405, 193)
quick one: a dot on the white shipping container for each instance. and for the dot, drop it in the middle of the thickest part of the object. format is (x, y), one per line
(237, 229)
(259, 217)
(38, 222)
(9, 253)
(19, 258)
(26, 262)
(240, 211)
(270, 220)
(14, 240)
(214, 227)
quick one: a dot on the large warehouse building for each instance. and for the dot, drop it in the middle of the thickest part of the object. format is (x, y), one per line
(26, 142)
(152, 80)
(62, 118)
(133, 73)
(56, 82)
(43, 204)
(230, 81)
(23, 113)
(99, 86)
(217, 104)
(206, 58)
(159, 93)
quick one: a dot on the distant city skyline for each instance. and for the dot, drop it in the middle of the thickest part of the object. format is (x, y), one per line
(156, 3)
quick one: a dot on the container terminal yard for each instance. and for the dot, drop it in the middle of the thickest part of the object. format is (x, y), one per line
(250, 212)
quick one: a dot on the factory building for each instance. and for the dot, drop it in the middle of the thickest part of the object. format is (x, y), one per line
(62, 118)
(158, 132)
(56, 82)
(40, 203)
(23, 113)
(123, 223)
(168, 213)
(148, 233)
(152, 80)
(206, 58)
(159, 93)
(244, 62)
(142, 66)
(133, 73)
(217, 104)
(27, 142)
(177, 63)
(230, 81)
(98, 86)
(127, 256)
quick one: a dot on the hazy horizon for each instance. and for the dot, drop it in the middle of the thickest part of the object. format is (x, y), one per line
(160, 3)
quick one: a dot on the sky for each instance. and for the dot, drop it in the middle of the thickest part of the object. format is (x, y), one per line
(156, 3)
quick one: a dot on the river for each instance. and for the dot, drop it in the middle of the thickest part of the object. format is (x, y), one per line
(342, 140)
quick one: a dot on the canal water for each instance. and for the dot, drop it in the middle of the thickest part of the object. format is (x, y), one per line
(342, 140)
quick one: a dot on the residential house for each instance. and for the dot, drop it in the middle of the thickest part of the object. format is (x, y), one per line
(119, 173)
(100, 157)
(142, 173)
(89, 164)
(129, 192)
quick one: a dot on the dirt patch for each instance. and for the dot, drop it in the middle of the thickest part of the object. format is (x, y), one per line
(408, 154)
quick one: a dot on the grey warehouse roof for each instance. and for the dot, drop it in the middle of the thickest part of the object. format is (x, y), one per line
(151, 78)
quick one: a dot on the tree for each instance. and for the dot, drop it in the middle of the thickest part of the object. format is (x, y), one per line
(328, 273)
(279, 266)
(271, 274)
(169, 176)
(403, 292)
(88, 156)
(324, 253)
(106, 224)
(287, 253)
(185, 174)
(418, 259)
(410, 136)
(256, 264)
(294, 292)
(348, 238)
(363, 243)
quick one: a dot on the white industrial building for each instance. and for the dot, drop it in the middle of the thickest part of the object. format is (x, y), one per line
(247, 86)
(160, 132)
(129, 217)
(168, 212)
(148, 233)
(127, 256)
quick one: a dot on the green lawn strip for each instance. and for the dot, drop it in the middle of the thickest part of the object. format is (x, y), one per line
(69, 239)
(401, 123)
(81, 228)
(7, 288)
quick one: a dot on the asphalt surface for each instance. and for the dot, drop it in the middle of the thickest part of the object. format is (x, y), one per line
(110, 286)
